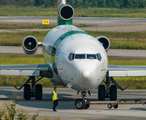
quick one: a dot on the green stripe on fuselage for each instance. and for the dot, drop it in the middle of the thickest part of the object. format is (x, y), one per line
(65, 35)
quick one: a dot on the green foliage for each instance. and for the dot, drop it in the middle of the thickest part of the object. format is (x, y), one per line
(38, 2)
(79, 3)
(119, 40)
(7, 111)
(92, 11)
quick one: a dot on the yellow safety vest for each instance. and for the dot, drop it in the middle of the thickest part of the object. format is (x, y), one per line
(55, 96)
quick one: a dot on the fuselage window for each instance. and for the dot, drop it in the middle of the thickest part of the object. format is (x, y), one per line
(80, 56)
(99, 57)
(71, 56)
(91, 56)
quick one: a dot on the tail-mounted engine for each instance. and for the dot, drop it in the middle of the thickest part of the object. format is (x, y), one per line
(30, 45)
(66, 13)
(104, 41)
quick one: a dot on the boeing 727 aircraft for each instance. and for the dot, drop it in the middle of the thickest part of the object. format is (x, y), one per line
(73, 58)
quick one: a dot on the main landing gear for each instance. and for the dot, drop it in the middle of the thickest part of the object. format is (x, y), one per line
(82, 103)
(108, 91)
(32, 90)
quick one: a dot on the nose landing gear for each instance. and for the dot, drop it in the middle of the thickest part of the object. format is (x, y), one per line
(82, 103)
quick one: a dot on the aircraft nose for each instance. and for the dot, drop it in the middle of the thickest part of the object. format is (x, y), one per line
(86, 73)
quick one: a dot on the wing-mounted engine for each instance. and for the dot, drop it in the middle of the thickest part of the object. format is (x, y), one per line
(66, 13)
(104, 41)
(30, 45)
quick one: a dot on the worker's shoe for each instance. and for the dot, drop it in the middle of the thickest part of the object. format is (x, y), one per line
(54, 110)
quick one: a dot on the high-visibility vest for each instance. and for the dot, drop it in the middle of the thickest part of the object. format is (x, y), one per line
(55, 96)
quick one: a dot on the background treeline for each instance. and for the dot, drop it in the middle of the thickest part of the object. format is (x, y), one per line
(79, 3)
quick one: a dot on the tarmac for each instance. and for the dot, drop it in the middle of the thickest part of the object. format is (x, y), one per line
(67, 111)
(96, 23)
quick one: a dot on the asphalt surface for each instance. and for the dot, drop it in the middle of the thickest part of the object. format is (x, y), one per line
(76, 20)
(66, 109)
(97, 23)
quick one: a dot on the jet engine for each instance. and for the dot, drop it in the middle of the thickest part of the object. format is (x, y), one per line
(30, 45)
(66, 12)
(104, 41)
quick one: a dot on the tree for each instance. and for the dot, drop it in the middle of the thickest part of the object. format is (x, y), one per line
(84, 3)
(129, 3)
(142, 3)
(114, 3)
(121, 3)
(102, 3)
(135, 3)
(47, 3)
(54, 3)
(38, 2)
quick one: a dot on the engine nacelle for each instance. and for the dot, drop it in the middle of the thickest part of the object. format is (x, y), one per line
(30, 45)
(104, 41)
(66, 12)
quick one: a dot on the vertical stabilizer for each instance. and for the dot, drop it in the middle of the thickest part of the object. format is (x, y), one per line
(63, 2)
(65, 14)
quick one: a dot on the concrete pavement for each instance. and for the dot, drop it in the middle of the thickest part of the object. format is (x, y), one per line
(66, 109)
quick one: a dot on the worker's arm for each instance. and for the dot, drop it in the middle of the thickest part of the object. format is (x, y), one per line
(52, 97)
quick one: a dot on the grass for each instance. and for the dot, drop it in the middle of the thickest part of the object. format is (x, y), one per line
(20, 60)
(119, 40)
(79, 12)
(15, 39)
(25, 26)
(124, 40)
(110, 12)
(31, 26)
(131, 82)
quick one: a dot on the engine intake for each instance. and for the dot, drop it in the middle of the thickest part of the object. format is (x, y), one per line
(66, 12)
(104, 41)
(30, 45)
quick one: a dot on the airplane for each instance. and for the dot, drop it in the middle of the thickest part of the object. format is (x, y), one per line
(73, 58)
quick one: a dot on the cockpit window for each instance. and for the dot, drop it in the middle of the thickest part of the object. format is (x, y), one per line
(91, 56)
(99, 57)
(71, 56)
(80, 56)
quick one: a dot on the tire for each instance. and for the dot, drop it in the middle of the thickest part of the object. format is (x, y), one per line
(80, 104)
(27, 92)
(113, 93)
(38, 92)
(86, 105)
(116, 106)
(101, 93)
(109, 106)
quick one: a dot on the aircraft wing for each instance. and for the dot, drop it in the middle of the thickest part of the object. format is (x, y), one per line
(123, 71)
(43, 70)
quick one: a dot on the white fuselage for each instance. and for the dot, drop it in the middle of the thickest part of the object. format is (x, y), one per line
(78, 59)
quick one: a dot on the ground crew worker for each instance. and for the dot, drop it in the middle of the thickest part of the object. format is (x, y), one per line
(54, 99)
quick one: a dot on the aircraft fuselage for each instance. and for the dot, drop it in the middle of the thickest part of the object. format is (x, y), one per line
(79, 60)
